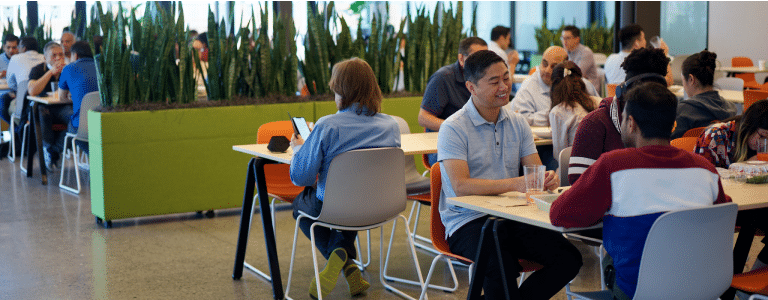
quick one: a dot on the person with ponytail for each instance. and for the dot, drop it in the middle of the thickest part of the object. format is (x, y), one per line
(570, 103)
(705, 104)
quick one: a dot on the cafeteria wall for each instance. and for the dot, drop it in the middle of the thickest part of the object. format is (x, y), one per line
(739, 28)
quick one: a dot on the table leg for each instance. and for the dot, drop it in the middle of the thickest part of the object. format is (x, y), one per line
(497, 244)
(39, 142)
(28, 144)
(481, 260)
(256, 176)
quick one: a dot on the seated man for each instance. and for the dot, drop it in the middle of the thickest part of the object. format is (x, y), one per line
(446, 92)
(581, 55)
(629, 188)
(10, 44)
(631, 37)
(533, 100)
(77, 79)
(67, 40)
(40, 79)
(600, 130)
(500, 40)
(480, 149)
(18, 71)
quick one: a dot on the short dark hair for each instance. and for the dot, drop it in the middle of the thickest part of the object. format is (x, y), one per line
(82, 49)
(203, 38)
(29, 43)
(98, 41)
(654, 109)
(478, 62)
(498, 32)
(466, 43)
(645, 60)
(573, 29)
(628, 35)
(10, 38)
(702, 65)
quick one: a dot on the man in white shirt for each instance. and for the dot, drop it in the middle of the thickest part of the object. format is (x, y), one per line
(67, 40)
(501, 37)
(533, 99)
(581, 55)
(18, 71)
(632, 37)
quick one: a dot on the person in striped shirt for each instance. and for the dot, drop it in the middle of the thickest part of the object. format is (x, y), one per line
(600, 130)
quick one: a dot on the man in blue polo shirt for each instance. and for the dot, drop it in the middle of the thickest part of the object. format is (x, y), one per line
(480, 149)
(446, 92)
(77, 79)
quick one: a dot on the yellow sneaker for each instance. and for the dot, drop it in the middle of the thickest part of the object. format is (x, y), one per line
(330, 274)
(355, 280)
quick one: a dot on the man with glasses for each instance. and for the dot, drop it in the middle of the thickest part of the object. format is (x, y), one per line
(40, 79)
(581, 55)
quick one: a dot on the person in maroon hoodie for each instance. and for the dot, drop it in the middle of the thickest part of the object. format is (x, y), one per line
(600, 130)
(628, 189)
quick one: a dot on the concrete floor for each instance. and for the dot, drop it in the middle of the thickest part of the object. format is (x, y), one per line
(51, 248)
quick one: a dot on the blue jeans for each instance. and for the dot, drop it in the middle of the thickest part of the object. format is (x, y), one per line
(326, 240)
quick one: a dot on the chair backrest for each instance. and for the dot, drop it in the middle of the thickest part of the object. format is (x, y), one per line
(694, 132)
(277, 128)
(90, 101)
(688, 254)
(21, 95)
(599, 58)
(730, 83)
(364, 187)
(411, 174)
(610, 89)
(741, 61)
(564, 157)
(685, 143)
(437, 229)
(751, 96)
(532, 70)
(677, 68)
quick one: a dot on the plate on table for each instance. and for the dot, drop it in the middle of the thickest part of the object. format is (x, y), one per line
(544, 201)
(676, 89)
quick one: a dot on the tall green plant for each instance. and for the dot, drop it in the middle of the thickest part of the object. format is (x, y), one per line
(598, 38)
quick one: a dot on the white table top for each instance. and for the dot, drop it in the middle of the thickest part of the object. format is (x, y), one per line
(728, 95)
(529, 214)
(519, 78)
(3, 84)
(747, 196)
(48, 100)
(741, 70)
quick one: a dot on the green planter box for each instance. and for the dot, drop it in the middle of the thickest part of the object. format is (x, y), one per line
(170, 161)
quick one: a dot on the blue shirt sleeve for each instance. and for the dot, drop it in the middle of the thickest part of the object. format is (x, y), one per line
(527, 145)
(451, 144)
(306, 162)
(65, 74)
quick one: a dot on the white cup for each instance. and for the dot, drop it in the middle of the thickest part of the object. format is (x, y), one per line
(761, 64)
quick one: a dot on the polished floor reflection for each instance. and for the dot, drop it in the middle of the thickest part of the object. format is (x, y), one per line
(51, 248)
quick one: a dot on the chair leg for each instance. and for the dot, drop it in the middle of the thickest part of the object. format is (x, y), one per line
(293, 257)
(383, 265)
(246, 264)
(23, 144)
(12, 151)
(361, 264)
(66, 154)
(314, 259)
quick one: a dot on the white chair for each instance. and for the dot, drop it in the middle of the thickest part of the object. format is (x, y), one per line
(758, 297)
(415, 184)
(687, 255)
(361, 199)
(729, 83)
(89, 101)
(16, 117)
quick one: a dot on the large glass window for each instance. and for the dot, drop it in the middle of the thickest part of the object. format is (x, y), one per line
(491, 14)
(528, 17)
(684, 26)
(11, 13)
(568, 13)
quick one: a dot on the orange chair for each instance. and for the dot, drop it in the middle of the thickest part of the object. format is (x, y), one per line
(610, 89)
(749, 78)
(437, 231)
(685, 143)
(533, 70)
(755, 281)
(694, 132)
(751, 96)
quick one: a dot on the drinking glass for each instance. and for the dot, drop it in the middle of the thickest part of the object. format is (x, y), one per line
(762, 149)
(655, 41)
(54, 88)
(534, 180)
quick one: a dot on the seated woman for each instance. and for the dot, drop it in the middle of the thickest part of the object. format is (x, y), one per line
(736, 139)
(570, 103)
(358, 124)
(705, 104)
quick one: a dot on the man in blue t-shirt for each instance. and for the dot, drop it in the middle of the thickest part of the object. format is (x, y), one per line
(77, 79)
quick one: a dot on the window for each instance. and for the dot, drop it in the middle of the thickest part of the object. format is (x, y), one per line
(528, 17)
(684, 26)
(567, 13)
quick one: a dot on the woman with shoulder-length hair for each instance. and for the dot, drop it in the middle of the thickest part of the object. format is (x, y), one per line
(570, 103)
(358, 124)
(705, 104)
